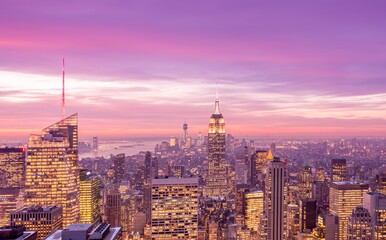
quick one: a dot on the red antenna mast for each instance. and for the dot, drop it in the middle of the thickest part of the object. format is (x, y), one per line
(63, 89)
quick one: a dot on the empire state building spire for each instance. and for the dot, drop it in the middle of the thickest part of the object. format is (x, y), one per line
(217, 107)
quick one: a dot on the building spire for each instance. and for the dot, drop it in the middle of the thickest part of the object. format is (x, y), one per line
(217, 105)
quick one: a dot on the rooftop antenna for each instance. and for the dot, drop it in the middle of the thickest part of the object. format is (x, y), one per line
(63, 89)
(216, 90)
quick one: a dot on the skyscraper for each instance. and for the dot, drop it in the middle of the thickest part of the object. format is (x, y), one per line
(376, 204)
(307, 214)
(259, 162)
(338, 170)
(276, 200)
(305, 181)
(217, 179)
(254, 209)
(185, 133)
(344, 196)
(52, 174)
(174, 205)
(119, 168)
(113, 207)
(359, 225)
(90, 187)
(12, 161)
(380, 180)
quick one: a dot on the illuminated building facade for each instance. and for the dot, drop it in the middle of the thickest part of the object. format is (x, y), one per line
(359, 225)
(254, 209)
(52, 172)
(174, 205)
(217, 178)
(338, 170)
(90, 196)
(43, 219)
(305, 182)
(11, 199)
(259, 163)
(119, 168)
(12, 161)
(376, 204)
(276, 200)
(345, 196)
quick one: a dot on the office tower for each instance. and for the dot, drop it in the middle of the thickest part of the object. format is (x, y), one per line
(305, 181)
(380, 181)
(173, 141)
(95, 144)
(90, 196)
(217, 179)
(307, 214)
(338, 170)
(276, 198)
(199, 140)
(254, 209)
(376, 204)
(12, 167)
(242, 167)
(113, 207)
(52, 174)
(241, 204)
(43, 219)
(320, 175)
(359, 225)
(150, 168)
(185, 133)
(174, 205)
(11, 199)
(293, 225)
(119, 168)
(259, 163)
(344, 196)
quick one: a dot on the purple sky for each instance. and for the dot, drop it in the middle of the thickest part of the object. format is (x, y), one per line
(283, 68)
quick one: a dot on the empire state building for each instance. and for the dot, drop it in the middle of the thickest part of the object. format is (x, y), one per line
(217, 180)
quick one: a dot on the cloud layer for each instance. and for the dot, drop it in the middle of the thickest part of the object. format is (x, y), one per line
(141, 68)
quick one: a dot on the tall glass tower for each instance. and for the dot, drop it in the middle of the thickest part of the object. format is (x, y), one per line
(217, 180)
(52, 172)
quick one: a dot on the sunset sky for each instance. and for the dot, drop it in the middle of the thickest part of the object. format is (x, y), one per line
(141, 68)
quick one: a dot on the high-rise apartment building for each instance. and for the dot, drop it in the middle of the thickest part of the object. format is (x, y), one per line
(43, 219)
(338, 170)
(90, 196)
(217, 179)
(359, 225)
(345, 196)
(52, 172)
(254, 209)
(276, 200)
(119, 168)
(305, 181)
(12, 162)
(174, 205)
(376, 204)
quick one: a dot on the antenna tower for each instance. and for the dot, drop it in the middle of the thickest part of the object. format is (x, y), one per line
(63, 89)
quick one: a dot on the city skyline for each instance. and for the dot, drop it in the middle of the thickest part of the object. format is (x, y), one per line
(141, 69)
